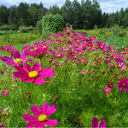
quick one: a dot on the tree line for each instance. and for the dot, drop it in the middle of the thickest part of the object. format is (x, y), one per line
(84, 15)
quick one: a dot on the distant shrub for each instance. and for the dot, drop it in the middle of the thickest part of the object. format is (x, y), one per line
(52, 23)
(5, 27)
(39, 27)
(25, 29)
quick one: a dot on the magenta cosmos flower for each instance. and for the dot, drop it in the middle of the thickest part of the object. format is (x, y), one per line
(38, 52)
(28, 74)
(40, 120)
(107, 90)
(95, 123)
(4, 93)
(123, 84)
(19, 59)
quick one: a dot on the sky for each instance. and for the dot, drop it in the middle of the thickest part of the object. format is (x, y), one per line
(105, 5)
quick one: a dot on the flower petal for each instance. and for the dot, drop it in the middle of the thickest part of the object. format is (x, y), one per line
(32, 124)
(28, 67)
(31, 53)
(27, 79)
(22, 57)
(36, 67)
(28, 117)
(51, 122)
(95, 123)
(102, 124)
(21, 70)
(44, 108)
(50, 110)
(46, 75)
(11, 62)
(40, 125)
(20, 75)
(36, 110)
(38, 81)
(16, 54)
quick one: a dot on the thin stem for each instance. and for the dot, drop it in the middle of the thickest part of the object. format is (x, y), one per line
(36, 94)
(29, 96)
(22, 92)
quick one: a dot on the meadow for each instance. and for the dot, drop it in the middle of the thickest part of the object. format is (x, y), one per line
(83, 78)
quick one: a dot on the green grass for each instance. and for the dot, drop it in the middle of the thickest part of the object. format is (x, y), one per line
(80, 97)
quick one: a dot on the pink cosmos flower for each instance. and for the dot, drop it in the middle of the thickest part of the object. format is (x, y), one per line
(7, 48)
(28, 74)
(40, 120)
(113, 51)
(38, 52)
(83, 60)
(95, 123)
(17, 60)
(120, 64)
(4, 93)
(57, 55)
(110, 84)
(107, 90)
(123, 84)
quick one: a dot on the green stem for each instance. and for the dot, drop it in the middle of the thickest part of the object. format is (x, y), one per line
(28, 96)
(22, 91)
(36, 94)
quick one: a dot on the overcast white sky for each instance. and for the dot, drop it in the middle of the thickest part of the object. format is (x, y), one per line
(105, 5)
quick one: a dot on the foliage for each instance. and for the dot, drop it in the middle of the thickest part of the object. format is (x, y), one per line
(52, 23)
(25, 29)
(46, 34)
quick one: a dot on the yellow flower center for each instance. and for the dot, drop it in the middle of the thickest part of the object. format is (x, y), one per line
(79, 53)
(63, 49)
(33, 74)
(123, 84)
(107, 90)
(18, 60)
(82, 60)
(58, 55)
(58, 49)
(112, 50)
(101, 46)
(35, 48)
(122, 52)
(114, 57)
(42, 117)
(44, 46)
(119, 65)
(6, 92)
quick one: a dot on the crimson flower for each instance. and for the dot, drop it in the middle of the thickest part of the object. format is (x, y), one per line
(40, 120)
(34, 74)
(110, 84)
(95, 123)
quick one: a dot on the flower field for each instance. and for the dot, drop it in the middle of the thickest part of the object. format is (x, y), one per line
(66, 80)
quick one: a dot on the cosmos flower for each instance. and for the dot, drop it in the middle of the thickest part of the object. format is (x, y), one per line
(107, 90)
(40, 120)
(34, 74)
(4, 93)
(19, 59)
(123, 84)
